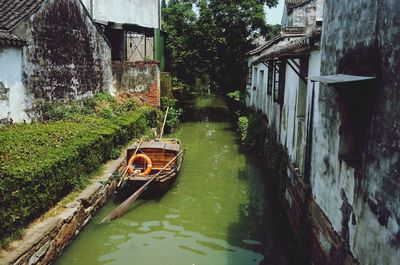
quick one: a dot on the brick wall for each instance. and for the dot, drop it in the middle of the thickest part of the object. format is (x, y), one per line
(141, 79)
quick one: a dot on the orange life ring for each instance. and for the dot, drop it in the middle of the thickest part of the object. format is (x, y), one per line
(136, 157)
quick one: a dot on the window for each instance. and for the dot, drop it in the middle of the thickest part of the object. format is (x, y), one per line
(276, 82)
(255, 78)
(356, 111)
(282, 79)
(261, 79)
(249, 73)
(279, 84)
(270, 78)
(302, 93)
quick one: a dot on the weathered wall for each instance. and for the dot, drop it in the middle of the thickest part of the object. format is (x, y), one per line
(144, 13)
(303, 15)
(361, 200)
(141, 79)
(257, 97)
(288, 119)
(66, 56)
(14, 99)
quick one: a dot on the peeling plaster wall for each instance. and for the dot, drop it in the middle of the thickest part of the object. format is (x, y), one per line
(354, 208)
(361, 202)
(141, 79)
(303, 15)
(14, 99)
(144, 13)
(66, 57)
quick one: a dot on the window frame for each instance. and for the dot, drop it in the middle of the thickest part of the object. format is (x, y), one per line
(270, 78)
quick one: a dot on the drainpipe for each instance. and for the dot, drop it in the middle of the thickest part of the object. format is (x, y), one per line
(159, 14)
(91, 8)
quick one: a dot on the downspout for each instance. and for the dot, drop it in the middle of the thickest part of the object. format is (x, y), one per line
(91, 8)
(159, 14)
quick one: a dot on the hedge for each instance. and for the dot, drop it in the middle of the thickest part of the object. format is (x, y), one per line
(41, 163)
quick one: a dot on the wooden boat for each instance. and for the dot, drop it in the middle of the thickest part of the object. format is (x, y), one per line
(152, 167)
(146, 159)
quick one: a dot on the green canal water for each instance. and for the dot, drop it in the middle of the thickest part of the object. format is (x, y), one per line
(219, 212)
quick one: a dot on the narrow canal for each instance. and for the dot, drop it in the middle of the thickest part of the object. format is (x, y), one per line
(219, 212)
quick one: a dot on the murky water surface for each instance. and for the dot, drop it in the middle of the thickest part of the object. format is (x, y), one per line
(217, 213)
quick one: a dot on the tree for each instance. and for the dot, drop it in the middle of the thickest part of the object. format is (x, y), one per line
(179, 21)
(216, 40)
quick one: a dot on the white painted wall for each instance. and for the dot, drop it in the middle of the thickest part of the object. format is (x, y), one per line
(288, 133)
(257, 98)
(11, 76)
(142, 12)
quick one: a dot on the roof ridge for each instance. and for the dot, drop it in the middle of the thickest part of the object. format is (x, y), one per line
(295, 3)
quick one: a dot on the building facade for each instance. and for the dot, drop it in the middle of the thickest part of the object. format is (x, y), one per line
(49, 51)
(328, 85)
(144, 13)
(132, 28)
(61, 50)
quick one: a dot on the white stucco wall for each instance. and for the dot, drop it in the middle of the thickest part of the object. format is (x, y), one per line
(258, 99)
(17, 99)
(288, 132)
(144, 13)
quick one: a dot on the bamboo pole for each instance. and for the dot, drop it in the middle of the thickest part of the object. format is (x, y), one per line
(165, 120)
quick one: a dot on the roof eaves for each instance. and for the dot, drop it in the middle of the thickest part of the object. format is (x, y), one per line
(265, 46)
(286, 32)
(7, 38)
(297, 46)
(290, 7)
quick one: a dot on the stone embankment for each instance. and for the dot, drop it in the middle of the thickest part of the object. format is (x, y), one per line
(45, 240)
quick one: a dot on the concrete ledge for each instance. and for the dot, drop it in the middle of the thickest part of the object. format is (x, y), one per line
(44, 241)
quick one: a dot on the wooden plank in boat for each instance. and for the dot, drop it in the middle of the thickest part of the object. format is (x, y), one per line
(158, 145)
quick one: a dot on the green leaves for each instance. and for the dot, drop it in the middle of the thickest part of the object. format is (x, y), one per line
(40, 163)
(174, 113)
(211, 45)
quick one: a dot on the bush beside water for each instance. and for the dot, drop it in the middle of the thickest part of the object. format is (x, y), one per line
(40, 163)
(174, 113)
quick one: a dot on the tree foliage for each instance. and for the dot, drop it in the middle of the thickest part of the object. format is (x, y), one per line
(211, 42)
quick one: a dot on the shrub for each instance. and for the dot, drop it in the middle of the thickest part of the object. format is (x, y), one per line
(243, 124)
(103, 104)
(41, 163)
(174, 113)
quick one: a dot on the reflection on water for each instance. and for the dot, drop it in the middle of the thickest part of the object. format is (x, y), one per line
(217, 213)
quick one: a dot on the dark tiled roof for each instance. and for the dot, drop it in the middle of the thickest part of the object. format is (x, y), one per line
(7, 38)
(11, 14)
(13, 11)
(293, 3)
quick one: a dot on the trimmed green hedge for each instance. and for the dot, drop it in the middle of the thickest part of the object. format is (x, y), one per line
(41, 163)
